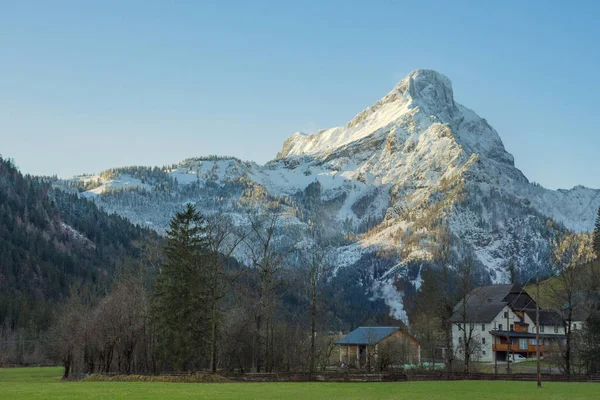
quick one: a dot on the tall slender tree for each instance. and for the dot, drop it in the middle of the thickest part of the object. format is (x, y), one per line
(182, 293)
(268, 263)
(443, 253)
(469, 347)
(223, 239)
(318, 268)
(570, 254)
(597, 236)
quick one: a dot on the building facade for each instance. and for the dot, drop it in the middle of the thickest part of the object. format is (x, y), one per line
(492, 322)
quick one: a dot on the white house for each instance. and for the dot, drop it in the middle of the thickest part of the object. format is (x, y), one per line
(500, 319)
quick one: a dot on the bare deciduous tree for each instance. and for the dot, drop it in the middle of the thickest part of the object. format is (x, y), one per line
(468, 346)
(572, 252)
(268, 262)
(223, 239)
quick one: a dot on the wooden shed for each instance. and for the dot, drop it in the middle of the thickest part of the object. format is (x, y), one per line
(367, 343)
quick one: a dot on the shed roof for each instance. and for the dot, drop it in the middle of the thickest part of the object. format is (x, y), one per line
(368, 335)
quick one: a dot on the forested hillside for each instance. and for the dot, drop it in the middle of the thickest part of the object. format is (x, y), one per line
(52, 242)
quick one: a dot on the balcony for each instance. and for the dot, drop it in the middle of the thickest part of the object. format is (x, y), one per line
(515, 348)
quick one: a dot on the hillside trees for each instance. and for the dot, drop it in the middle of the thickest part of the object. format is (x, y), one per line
(53, 243)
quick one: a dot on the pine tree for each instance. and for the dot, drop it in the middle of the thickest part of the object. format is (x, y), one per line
(597, 236)
(180, 300)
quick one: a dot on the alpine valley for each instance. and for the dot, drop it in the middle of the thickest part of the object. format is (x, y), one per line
(406, 171)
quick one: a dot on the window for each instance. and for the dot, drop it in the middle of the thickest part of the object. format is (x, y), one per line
(542, 329)
(512, 327)
(499, 327)
(505, 314)
(523, 344)
(483, 327)
(482, 340)
(495, 327)
(575, 326)
(555, 328)
(532, 342)
(483, 352)
(460, 340)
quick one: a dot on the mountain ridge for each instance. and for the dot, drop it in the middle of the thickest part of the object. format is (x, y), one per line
(414, 163)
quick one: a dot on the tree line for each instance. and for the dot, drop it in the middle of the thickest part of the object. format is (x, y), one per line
(196, 308)
(52, 242)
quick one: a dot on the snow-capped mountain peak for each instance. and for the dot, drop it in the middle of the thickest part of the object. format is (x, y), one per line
(429, 90)
(400, 173)
(422, 99)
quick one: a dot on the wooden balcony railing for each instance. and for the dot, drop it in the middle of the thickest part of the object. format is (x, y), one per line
(515, 348)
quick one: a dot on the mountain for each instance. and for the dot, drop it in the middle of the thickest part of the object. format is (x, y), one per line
(387, 185)
(52, 242)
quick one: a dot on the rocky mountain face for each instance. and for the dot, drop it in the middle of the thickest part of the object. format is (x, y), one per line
(413, 167)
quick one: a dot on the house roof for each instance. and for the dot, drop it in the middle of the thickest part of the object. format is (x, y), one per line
(485, 302)
(547, 317)
(368, 335)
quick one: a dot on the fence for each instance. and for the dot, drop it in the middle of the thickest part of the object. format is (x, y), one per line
(387, 377)
(403, 377)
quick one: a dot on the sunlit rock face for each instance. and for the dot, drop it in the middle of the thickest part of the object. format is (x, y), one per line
(385, 186)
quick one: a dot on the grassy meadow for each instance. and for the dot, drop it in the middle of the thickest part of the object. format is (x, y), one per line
(45, 383)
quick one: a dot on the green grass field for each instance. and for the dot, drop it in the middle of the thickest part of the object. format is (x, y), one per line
(45, 383)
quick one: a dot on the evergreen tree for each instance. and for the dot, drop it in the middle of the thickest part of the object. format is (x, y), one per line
(53, 242)
(597, 236)
(182, 293)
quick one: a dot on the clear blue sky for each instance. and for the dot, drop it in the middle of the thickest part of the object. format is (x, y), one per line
(85, 85)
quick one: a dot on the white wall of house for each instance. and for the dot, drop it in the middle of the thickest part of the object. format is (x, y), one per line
(552, 329)
(483, 339)
(545, 329)
(481, 335)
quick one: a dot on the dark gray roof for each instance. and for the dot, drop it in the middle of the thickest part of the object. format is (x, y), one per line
(485, 302)
(547, 317)
(368, 335)
(481, 314)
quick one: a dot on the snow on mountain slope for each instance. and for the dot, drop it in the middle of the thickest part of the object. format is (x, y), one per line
(391, 181)
(574, 208)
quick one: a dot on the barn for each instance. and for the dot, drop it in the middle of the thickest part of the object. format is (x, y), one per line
(369, 345)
